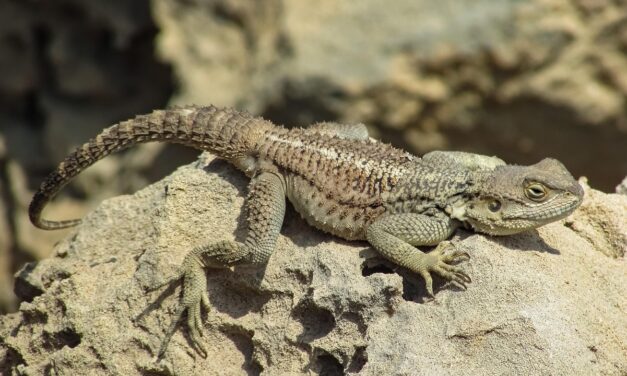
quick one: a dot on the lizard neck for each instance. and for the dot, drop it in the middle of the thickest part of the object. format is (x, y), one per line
(457, 204)
(426, 187)
(432, 189)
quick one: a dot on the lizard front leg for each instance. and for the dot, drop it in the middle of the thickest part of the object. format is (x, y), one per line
(266, 209)
(395, 236)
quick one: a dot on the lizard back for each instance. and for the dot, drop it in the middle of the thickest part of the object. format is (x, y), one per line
(337, 184)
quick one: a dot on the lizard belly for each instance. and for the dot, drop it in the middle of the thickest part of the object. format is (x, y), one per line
(320, 210)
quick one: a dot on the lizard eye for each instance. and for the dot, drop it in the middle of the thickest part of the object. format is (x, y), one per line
(494, 205)
(535, 192)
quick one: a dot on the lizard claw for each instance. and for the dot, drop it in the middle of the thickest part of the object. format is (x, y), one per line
(428, 282)
(451, 257)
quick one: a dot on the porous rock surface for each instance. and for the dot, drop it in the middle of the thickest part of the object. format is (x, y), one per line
(544, 302)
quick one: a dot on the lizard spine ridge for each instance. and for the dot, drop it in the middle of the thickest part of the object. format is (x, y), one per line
(227, 133)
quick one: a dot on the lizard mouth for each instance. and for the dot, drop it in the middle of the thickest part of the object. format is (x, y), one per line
(548, 211)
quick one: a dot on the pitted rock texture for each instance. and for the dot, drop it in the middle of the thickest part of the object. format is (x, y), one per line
(545, 302)
(601, 219)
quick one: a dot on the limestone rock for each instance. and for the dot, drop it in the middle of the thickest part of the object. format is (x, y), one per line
(544, 302)
(601, 220)
(622, 187)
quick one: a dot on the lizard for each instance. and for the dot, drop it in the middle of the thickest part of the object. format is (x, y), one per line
(342, 182)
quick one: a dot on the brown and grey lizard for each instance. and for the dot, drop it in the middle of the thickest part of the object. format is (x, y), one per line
(341, 182)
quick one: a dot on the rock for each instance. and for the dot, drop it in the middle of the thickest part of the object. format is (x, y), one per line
(227, 52)
(601, 220)
(622, 187)
(544, 302)
(7, 299)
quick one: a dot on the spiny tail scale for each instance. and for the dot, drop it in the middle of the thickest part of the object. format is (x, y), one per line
(225, 132)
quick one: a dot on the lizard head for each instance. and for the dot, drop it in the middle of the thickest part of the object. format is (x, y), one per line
(514, 199)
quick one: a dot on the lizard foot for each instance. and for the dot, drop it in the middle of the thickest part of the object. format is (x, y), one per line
(439, 261)
(195, 294)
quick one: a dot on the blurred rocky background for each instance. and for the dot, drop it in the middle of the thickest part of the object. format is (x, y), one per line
(522, 79)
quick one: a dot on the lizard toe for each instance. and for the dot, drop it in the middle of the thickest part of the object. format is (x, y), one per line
(428, 282)
(205, 300)
(194, 324)
(459, 272)
(458, 277)
(456, 256)
(459, 285)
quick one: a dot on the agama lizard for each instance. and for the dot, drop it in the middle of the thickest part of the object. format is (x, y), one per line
(340, 181)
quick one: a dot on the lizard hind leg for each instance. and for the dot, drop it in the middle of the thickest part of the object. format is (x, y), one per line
(266, 209)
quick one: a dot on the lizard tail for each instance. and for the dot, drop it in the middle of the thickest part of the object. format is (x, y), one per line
(225, 132)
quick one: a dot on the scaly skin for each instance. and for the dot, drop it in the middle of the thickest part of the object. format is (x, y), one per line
(341, 182)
